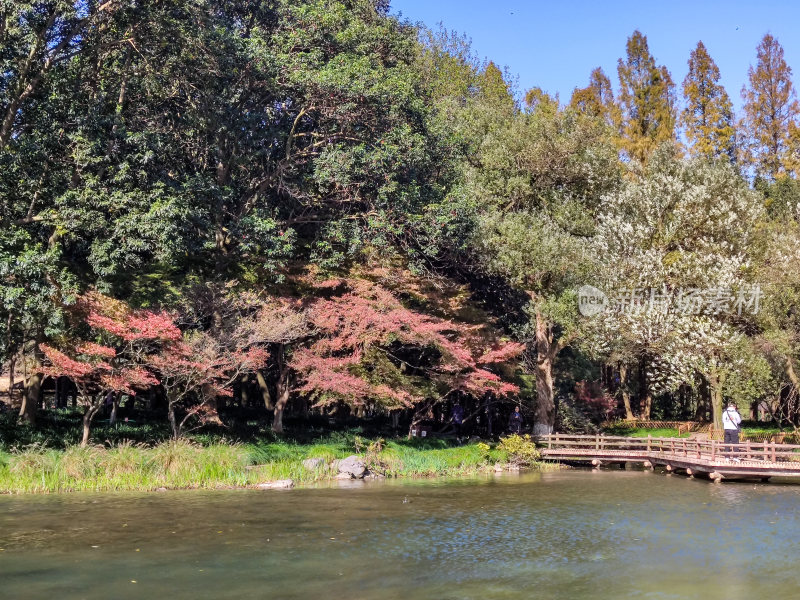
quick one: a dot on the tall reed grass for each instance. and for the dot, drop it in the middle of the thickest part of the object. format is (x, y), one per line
(127, 465)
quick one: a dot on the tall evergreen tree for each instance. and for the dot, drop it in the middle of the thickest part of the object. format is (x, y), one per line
(493, 88)
(647, 99)
(770, 109)
(708, 116)
(597, 99)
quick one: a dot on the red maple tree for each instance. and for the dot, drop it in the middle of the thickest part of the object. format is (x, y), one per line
(370, 349)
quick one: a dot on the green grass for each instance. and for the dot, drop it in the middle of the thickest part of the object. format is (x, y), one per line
(140, 455)
(640, 432)
(185, 464)
(663, 432)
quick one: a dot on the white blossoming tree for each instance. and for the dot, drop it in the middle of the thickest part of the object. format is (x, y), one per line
(675, 247)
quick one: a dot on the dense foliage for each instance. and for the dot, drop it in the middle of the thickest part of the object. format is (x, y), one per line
(316, 207)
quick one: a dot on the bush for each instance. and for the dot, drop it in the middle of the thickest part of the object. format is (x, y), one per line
(521, 450)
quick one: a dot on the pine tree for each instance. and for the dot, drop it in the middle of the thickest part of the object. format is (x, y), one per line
(708, 116)
(647, 100)
(770, 111)
(492, 86)
(597, 99)
(537, 99)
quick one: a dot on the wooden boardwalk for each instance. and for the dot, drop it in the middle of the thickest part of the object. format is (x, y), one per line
(707, 458)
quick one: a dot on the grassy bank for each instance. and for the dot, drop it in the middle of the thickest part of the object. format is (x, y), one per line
(185, 464)
(643, 432)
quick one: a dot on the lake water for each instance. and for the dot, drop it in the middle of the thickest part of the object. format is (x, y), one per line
(573, 535)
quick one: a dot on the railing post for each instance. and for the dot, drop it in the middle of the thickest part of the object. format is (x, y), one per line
(713, 450)
(649, 440)
(549, 441)
(747, 451)
(597, 441)
(773, 452)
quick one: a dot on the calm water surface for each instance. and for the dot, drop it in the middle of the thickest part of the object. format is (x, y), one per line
(573, 535)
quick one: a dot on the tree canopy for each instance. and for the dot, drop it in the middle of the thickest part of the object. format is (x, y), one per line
(325, 206)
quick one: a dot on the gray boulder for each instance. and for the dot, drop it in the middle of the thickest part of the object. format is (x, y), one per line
(276, 485)
(352, 465)
(312, 464)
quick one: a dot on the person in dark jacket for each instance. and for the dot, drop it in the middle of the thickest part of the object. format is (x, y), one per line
(515, 421)
(458, 418)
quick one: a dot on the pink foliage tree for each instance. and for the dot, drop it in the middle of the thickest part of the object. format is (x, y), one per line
(370, 349)
(118, 349)
(108, 351)
(594, 400)
(198, 369)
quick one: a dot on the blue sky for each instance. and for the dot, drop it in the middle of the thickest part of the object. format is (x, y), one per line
(555, 45)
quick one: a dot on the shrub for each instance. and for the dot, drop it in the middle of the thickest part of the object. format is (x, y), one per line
(521, 450)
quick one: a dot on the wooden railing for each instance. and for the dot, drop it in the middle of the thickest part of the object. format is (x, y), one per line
(709, 450)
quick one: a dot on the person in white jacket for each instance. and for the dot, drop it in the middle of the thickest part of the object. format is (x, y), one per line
(731, 421)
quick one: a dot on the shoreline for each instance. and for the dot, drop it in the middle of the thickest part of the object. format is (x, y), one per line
(185, 465)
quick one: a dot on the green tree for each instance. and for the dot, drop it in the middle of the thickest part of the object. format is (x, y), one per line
(537, 99)
(597, 99)
(647, 100)
(538, 182)
(708, 116)
(167, 142)
(770, 110)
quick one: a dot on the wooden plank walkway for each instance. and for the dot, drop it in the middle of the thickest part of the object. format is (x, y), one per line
(710, 458)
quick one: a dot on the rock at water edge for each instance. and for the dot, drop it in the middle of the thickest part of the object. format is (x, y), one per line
(312, 464)
(276, 485)
(353, 465)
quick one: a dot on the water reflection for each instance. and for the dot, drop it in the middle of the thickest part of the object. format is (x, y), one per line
(561, 535)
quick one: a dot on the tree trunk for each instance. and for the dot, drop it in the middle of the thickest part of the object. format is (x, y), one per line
(244, 391)
(626, 393)
(645, 395)
(173, 422)
(88, 415)
(11, 365)
(112, 420)
(282, 390)
(210, 399)
(266, 396)
(546, 350)
(648, 405)
(791, 374)
(33, 390)
(716, 380)
(283, 399)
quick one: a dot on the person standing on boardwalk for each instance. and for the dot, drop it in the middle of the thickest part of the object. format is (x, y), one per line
(731, 421)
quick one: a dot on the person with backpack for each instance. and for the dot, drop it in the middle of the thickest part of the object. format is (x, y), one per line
(731, 424)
